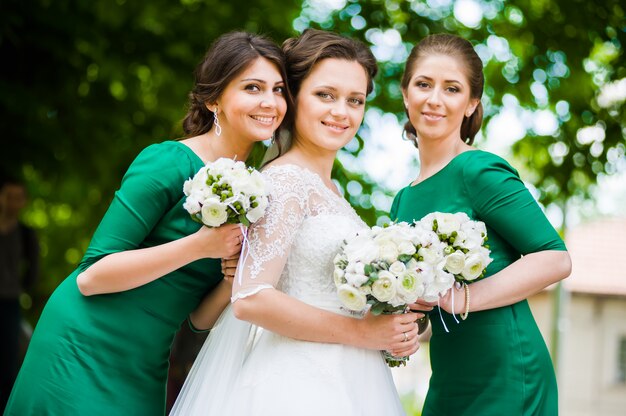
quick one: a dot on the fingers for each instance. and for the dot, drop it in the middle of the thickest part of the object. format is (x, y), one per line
(229, 266)
(408, 344)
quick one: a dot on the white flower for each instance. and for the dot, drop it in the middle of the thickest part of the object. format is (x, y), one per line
(192, 205)
(410, 286)
(388, 251)
(425, 271)
(474, 266)
(355, 279)
(351, 297)
(447, 223)
(338, 276)
(214, 213)
(361, 248)
(384, 288)
(397, 267)
(455, 262)
(406, 247)
(255, 213)
(432, 254)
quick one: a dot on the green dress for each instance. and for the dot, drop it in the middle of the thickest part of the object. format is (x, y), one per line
(108, 354)
(496, 362)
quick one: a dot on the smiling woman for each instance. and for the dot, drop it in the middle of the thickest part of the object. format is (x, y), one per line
(313, 357)
(102, 344)
(442, 86)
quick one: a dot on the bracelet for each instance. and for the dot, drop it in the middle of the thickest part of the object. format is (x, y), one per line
(467, 302)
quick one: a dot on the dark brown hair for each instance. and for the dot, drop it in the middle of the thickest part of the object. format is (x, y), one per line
(302, 53)
(228, 56)
(458, 48)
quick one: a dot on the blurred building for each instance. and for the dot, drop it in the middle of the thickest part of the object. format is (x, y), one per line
(592, 349)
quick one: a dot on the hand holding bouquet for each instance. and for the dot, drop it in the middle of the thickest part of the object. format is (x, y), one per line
(226, 191)
(391, 267)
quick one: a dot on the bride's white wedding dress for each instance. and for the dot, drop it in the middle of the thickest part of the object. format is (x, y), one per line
(244, 370)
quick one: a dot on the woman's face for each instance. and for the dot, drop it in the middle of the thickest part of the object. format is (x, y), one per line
(253, 104)
(330, 104)
(438, 97)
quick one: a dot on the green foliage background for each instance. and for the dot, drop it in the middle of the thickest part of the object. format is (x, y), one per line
(86, 84)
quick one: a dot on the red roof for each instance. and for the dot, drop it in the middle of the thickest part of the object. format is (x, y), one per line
(598, 253)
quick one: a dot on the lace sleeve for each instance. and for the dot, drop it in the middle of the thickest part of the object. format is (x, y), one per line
(264, 257)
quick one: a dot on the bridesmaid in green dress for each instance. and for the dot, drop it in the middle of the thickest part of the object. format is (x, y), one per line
(495, 362)
(102, 344)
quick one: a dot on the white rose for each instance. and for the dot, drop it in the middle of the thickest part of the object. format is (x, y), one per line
(366, 290)
(444, 278)
(351, 297)
(411, 264)
(455, 262)
(187, 186)
(384, 288)
(447, 223)
(474, 266)
(359, 267)
(214, 213)
(397, 267)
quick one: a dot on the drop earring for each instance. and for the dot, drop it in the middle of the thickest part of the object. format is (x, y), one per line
(216, 122)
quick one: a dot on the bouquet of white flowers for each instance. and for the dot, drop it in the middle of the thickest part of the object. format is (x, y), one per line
(455, 247)
(390, 267)
(226, 191)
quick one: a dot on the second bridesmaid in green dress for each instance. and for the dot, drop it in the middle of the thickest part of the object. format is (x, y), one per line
(495, 362)
(102, 344)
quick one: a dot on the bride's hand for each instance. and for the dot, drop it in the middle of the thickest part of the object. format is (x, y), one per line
(394, 333)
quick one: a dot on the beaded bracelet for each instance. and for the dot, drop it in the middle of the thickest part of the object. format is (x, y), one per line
(467, 302)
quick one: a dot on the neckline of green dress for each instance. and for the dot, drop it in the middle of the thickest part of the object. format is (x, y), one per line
(188, 150)
(447, 166)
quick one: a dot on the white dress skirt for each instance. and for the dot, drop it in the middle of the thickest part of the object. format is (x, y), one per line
(245, 370)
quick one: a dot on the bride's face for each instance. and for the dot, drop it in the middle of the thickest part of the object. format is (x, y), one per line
(331, 104)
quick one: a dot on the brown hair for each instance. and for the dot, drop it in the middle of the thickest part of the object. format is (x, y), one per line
(458, 48)
(228, 56)
(302, 53)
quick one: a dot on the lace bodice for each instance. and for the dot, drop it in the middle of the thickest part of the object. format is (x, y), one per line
(293, 246)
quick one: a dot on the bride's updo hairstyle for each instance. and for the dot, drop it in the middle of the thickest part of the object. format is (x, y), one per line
(462, 50)
(228, 56)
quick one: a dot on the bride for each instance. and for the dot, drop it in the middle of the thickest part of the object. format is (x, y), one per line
(285, 346)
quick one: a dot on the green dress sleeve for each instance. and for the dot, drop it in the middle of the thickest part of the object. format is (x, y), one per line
(502, 201)
(150, 187)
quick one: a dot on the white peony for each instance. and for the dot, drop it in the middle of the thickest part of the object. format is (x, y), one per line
(351, 297)
(214, 213)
